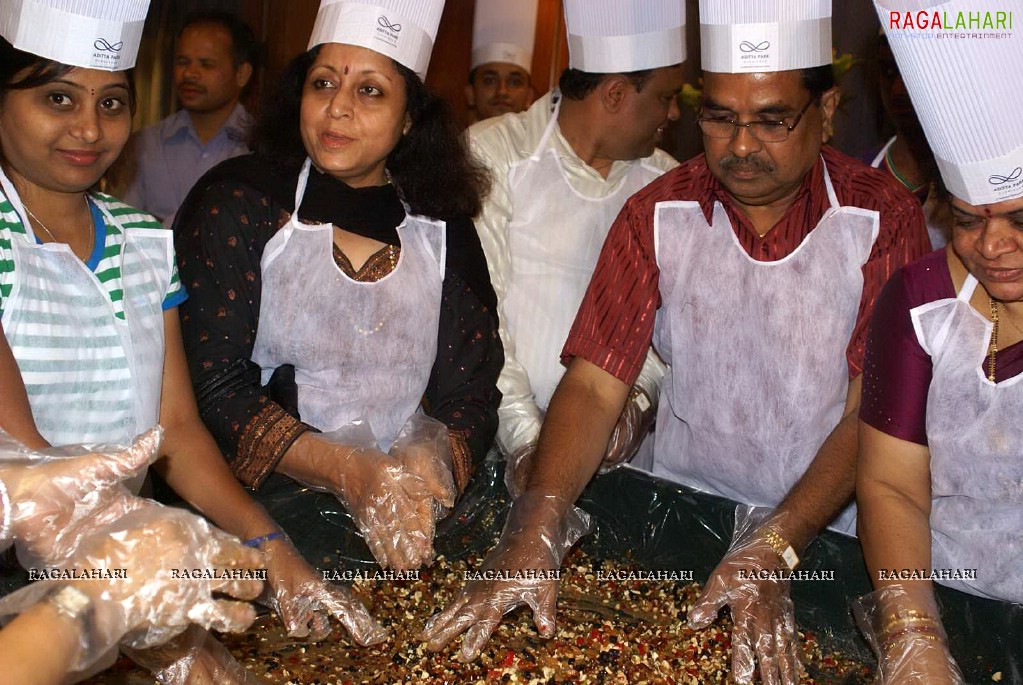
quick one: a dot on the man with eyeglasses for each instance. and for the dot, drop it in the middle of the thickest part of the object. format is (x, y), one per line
(753, 269)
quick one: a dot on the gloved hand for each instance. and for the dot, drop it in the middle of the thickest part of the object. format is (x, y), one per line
(764, 620)
(149, 605)
(538, 533)
(633, 426)
(305, 602)
(193, 658)
(517, 468)
(424, 449)
(903, 627)
(380, 493)
(60, 495)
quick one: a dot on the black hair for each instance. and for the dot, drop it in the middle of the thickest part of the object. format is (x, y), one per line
(39, 71)
(430, 165)
(576, 85)
(818, 80)
(244, 46)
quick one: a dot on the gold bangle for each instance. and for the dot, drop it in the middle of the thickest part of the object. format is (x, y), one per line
(909, 620)
(782, 547)
(927, 636)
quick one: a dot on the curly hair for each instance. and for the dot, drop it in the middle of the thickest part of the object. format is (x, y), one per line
(430, 166)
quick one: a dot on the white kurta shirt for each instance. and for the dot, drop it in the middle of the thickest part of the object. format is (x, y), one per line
(500, 143)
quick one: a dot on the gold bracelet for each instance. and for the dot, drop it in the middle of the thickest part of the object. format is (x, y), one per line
(783, 549)
(910, 620)
(889, 640)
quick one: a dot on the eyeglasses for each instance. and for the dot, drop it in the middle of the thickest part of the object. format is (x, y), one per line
(764, 131)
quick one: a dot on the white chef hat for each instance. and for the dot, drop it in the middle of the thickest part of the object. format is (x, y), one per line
(93, 34)
(961, 91)
(404, 30)
(619, 36)
(743, 36)
(503, 31)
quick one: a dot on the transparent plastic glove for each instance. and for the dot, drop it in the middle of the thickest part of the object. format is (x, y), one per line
(6, 526)
(382, 496)
(149, 605)
(60, 495)
(516, 469)
(633, 425)
(305, 602)
(424, 449)
(764, 620)
(193, 658)
(535, 539)
(903, 627)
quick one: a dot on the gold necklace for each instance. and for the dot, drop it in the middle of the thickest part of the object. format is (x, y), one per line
(92, 232)
(993, 347)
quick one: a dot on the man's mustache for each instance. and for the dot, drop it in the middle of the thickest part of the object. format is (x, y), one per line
(751, 163)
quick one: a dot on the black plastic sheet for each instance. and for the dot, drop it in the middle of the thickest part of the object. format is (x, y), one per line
(654, 524)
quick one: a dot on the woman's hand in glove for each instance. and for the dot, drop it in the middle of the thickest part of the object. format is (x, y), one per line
(380, 493)
(56, 499)
(902, 625)
(305, 602)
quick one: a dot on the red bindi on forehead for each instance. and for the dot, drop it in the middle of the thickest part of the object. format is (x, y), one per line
(345, 72)
(987, 212)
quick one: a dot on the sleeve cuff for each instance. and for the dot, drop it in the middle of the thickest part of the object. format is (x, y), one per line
(263, 443)
(461, 458)
(175, 299)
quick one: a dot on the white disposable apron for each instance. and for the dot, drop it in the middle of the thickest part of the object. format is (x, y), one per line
(975, 436)
(555, 237)
(360, 350)
(757, 350)
(91, 376)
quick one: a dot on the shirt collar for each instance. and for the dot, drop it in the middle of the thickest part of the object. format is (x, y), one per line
(180, 123)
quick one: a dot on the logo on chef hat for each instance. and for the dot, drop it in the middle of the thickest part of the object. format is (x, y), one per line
(999, 180)
(747, 47)
(388, 31)
(103, 45)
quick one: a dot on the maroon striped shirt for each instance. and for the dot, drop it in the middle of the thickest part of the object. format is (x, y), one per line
(615, 324)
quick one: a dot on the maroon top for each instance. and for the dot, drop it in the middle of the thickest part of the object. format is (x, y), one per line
(615, 323)
(896, 369)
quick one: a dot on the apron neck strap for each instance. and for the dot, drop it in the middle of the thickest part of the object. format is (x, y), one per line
(969, 286)
(19, 207)
(832, 197)
(551, 125)
(303, 178)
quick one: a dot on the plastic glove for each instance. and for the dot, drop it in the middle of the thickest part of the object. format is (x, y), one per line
(517, 468)
(535, 539)
(424, 449)
(193, 658)
(6, 526)
(902, 626)
(380, 493)
(150, 605)
(764, 621)
(60, 495)
(633, 425)
(305, 602)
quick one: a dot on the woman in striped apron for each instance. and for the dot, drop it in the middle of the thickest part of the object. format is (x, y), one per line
(91, 348)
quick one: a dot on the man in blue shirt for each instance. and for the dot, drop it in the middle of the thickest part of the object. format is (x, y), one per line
(213, 63)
